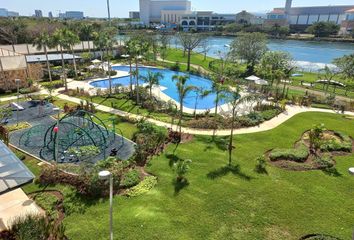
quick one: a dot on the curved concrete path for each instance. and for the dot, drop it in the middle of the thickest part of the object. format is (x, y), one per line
(281, 118)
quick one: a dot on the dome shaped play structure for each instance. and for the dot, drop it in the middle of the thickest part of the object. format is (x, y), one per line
(77, 137)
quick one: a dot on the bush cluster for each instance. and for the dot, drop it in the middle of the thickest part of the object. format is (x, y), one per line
(299, 154)
(333, 145)
(143, 187)
(53, 84)
(130, 179)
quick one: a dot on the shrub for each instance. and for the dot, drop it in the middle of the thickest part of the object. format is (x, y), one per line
(261, 166)
(143, 187)
(333, 145)
(324, 162)
(202, 123)
(31, 227)
(176, 67)
(269, 114)
(20, 155)
(111, 73)
(19, 126)
(54, 84)
(130, 179)
(48, 202)
(299, 154)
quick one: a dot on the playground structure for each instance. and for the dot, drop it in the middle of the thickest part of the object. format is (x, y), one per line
(77, 137)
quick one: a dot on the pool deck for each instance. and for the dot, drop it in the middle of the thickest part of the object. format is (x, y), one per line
(157, 92)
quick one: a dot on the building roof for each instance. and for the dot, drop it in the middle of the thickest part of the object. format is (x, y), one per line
(51, 57)
(337, 9)
(277, 11)
(350, 11)
(13, 173)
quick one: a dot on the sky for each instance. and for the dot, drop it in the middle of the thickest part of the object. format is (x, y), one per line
(121, 8)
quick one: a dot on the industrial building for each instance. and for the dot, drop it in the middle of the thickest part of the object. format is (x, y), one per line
(301, 17)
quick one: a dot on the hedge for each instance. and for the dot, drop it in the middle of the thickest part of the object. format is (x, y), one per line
(299, 154)
(332, 145)
(143, 187)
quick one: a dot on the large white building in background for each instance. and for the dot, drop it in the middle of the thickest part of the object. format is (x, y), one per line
(5, 13)
(154, 11)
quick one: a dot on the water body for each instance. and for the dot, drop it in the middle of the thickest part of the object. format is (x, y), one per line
(309, 55)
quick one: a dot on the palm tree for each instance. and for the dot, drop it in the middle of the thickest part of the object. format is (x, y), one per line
(71, 39)
(200, 93)
(152, 78)
(137, 46)
(233, 97)
(57, 40)
(86, 31)
(218, 89)
(183, 91)
(42, 41)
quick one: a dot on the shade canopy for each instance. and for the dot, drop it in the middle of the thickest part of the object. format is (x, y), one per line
(96, 61)
(261, 82)
(331, 82)
(13, 173)
(252, 78)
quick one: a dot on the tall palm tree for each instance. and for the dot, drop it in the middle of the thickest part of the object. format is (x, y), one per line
(183, 91)
(152, 78)
(71, 39)
(137, 47)
(219, 90)
(235, 100)
(42, 41)
(86, 31)
(58, 40)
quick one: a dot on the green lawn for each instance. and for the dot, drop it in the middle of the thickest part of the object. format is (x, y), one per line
(243, 205)
(176, 55)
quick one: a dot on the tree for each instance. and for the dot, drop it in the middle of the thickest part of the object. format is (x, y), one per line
(182, 168)
(42, 41)
(164, 39)
(152, 78)
(137, 46)
(183, 90)
(323, 29)
(205, 45)
(71, 39)
(249, 47)
(219, 89)
(315, 137)
(276, 65)
(58, 40)
(13, 31)
(235, 99)
(200, 93)
(328, 74)
(189, 42)
(86, 31)
(346, 67)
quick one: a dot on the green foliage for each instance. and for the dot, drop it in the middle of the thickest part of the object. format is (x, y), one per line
(48, 202)
(332, 145)
(84, 151)
(53, 84)
(299, 154)
(5, 113)
(31, 227)
(315, 136)
(325, 161)
(19, 126)
(346, 66)
(323, 29)
(143, 187)
(130, 178)
(20, 155)
(261, 166)
(182, 168)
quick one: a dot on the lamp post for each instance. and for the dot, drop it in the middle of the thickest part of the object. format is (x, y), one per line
(56, 130)
(105, 175)
(17, 81)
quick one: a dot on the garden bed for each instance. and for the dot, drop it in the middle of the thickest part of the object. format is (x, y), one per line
(303, 158)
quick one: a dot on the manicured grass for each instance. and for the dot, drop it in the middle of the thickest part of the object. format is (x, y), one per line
(238, 205)
(176, 55)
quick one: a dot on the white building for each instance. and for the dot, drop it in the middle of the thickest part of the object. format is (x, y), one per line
(205, 20)
(155, 11)
(72, 15)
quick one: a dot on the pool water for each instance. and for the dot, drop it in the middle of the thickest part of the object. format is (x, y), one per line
(169, 86)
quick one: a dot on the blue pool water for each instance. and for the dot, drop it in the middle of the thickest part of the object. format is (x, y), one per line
(170, 85)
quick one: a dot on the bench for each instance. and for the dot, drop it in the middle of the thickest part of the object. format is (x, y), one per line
(16, 106)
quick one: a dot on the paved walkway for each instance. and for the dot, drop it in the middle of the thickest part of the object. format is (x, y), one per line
(283, 117)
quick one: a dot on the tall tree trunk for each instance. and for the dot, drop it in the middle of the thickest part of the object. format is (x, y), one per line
(131, 79)
(74, 60)
(88, 45)
(189, 60)
(180, 117)
(137, 80)
(63, 69)
(216, 113)
(109, 72)
(231, 136)
(48, 64)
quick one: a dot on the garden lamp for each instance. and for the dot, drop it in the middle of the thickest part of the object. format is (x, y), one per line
(105, 175)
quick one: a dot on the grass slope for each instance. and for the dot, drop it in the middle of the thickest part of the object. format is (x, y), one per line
(239, 205)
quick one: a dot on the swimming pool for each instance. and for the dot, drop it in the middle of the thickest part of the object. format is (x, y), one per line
(169, 86)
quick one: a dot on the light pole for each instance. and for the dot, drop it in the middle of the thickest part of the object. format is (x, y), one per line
(17, 81)
(56, 130)
(105, 175)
